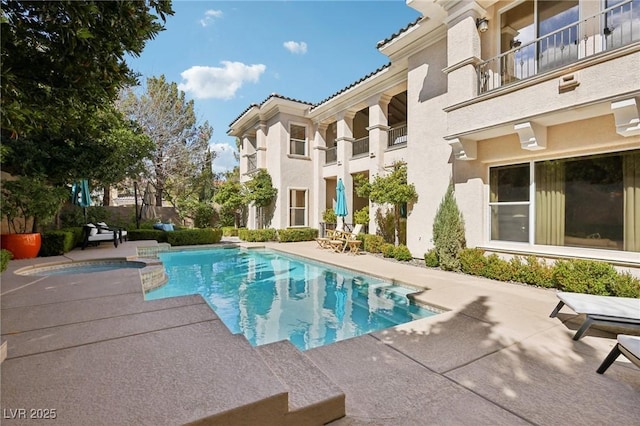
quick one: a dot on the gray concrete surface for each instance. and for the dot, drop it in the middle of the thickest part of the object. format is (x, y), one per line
(93, 349)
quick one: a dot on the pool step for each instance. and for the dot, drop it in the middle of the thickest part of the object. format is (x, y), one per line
(313, 398)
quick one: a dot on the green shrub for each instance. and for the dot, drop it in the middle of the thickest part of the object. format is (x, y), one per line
(497, 268)
(431, 259)
(625, 285)
(5, 257)
(329, 216)
(56, 243)
(473, 261)
(402, 253)
(78, 234)
(205, 216)
(532, 271)
(372, 243)
(229, 231)
(148, 234)
(257, 235)
(386, 224)
(192, 237)
(584, 276)
(361, 216)
(297, 234)
(388, 250)
(448, 232)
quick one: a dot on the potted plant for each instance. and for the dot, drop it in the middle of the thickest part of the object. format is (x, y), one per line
(28, 203)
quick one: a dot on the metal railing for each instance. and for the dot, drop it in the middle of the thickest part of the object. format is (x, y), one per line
(397, 136)
(360, 146)
(614, 27)
(252, 162)
(330, 155)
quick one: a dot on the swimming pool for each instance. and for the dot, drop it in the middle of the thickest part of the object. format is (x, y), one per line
(269, 296)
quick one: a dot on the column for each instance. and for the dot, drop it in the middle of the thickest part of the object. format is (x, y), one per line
(343, 149)
(463, 50)
(378, 139)
(261, 145)
(317, 200)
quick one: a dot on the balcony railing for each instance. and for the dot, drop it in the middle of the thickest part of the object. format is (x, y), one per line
(360, 146)
(252, 162)
(397, 136)
(612, 28)
(331, 155)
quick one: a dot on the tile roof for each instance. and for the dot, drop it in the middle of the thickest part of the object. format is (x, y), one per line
(273, 95)
(397, 34)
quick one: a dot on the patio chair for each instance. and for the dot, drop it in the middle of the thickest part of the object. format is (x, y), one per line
(332, 234)
(629, 346)
(604, 310)
(340, 243)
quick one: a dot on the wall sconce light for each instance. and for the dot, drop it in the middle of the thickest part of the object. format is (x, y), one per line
(515, 43)
(482, 24)
(607, 31)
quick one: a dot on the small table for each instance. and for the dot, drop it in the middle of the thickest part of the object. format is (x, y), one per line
(354, 246)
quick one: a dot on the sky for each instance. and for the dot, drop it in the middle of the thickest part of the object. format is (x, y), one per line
(227, 55)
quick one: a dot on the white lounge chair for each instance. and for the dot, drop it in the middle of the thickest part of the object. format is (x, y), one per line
(629, 346)
(97, 234)
(605, 310)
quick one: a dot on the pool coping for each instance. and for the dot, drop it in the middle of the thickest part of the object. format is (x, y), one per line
(496, 357)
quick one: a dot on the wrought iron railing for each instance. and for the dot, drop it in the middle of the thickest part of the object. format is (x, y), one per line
(252, 162)
(331, 155)
(360, 146)
(397, 136)
(614, 27)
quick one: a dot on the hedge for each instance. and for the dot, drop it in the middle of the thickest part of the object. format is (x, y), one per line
(229, 231)
(402, 253)
(297, 234)
(372, 243)
(148, 234)
(257, 235)
(573, 275)
(56, 243)
(188, 237)
(5, 257)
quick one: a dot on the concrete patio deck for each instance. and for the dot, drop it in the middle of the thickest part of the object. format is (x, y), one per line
(91, 348)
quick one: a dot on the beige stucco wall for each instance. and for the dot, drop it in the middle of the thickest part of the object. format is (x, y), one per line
(427, 153)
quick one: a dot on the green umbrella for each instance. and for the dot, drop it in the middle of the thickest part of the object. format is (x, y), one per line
(341, 203)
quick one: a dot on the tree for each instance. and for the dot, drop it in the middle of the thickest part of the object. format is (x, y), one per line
(261, 193)
(108, 149)
(390, 189)
(448, 232)
(61, 57)
(181, 145)
(231, 197)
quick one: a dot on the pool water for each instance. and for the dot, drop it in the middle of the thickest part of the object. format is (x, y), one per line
(269, 296)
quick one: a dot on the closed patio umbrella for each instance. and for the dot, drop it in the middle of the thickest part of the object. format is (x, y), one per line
(81, 196)
(341, 204)
(148, 210)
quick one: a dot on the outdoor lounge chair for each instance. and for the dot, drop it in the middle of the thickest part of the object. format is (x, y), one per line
(605, 310)
(629, 346)
(339, 244)
(332, 234)
(96, 234)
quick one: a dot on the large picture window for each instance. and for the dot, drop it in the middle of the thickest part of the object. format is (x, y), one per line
(297, 207)
(589, 201)
(298, 140)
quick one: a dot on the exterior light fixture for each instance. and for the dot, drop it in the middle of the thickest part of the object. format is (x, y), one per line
(482, 24)
(515, 43)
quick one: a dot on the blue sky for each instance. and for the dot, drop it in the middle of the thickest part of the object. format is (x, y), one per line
(227, 55)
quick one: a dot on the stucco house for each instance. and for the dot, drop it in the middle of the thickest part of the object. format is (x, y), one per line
(530, 108)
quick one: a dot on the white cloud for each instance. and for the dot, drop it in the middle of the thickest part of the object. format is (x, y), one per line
(224, 160)
(209, 16)
(295, 47)
(219, 83)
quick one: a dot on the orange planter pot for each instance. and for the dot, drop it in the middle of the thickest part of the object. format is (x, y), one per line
(23, 246)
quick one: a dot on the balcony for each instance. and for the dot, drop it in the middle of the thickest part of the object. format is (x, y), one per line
(360, 146)
(252, 162)
(397, 136)
(614, 27)
(331, 155)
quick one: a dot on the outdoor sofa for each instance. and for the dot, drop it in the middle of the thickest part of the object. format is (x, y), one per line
(101, 232)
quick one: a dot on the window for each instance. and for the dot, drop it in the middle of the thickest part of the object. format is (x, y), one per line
(297, 207)
(591, 201)
(297, 140)
(509, 203)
